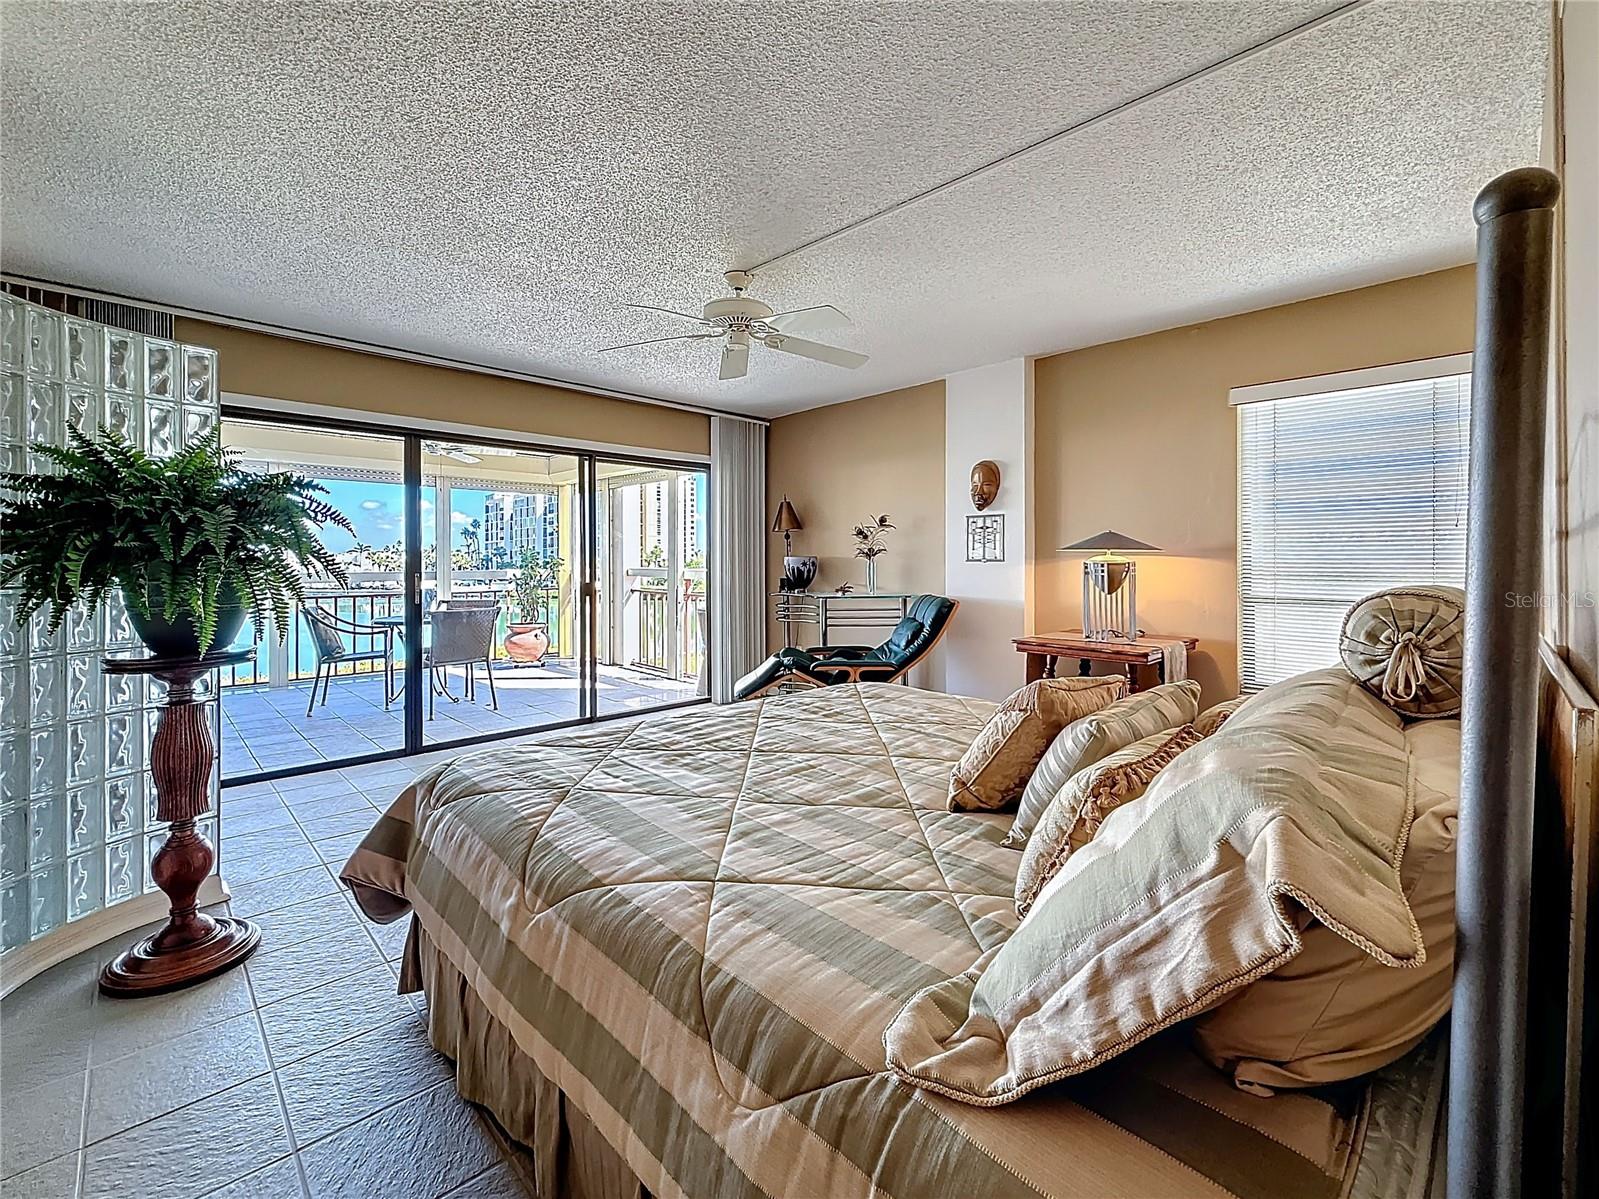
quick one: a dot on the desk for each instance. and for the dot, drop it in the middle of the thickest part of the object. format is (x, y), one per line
(830, 612)
(1044, 649)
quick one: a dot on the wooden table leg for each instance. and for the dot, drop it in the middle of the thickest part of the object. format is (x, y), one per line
(1085, 667)
(1132, 677)
(193, 945)
(1035, 667)
(1049, 666)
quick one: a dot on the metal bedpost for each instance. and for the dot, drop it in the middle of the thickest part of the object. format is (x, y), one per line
(1487, 1060)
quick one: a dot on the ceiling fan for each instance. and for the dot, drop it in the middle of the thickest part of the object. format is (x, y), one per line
(445, 450)
(742, 322)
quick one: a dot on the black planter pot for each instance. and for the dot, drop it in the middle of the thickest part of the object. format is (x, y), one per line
(178, 638)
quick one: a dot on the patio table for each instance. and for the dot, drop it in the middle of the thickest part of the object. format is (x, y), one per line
(397, 623)
(441, 685)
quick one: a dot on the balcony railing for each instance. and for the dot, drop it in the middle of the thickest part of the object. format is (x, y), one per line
(372, 596)
(376, 595)
(655, 630)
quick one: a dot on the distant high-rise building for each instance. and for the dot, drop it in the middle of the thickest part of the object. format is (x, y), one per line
(519, 522)
(693, 519)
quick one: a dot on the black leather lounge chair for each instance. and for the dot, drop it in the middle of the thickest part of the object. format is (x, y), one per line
(822, 666)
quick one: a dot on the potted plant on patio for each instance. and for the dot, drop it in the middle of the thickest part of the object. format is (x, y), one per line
(194, 544)
(527, 637)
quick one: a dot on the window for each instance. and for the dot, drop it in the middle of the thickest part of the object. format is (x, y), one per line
(1343, 490)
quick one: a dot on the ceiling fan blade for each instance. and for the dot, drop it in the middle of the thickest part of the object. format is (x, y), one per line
(627, 345)
(698, 320)
(832, 355)
(735, 360)
(808, 320)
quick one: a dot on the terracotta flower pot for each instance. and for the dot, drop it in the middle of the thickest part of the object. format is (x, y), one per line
(527, 642)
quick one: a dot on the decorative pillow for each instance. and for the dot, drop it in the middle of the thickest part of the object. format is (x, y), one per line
(1404, 645)
(996, 766)
(1200, 887)
(1334, 1013)
(1102, 733)
(1211, 719)
(1089, 796)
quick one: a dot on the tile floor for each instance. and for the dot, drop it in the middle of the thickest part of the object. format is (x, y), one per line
(303, 1073)
(267, 729)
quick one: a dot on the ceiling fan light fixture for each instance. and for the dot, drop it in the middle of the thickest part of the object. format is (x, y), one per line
(741, 320)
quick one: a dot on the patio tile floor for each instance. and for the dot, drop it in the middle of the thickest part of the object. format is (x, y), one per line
(265, 728)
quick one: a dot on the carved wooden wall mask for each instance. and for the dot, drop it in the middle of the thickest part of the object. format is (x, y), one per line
(985, 483)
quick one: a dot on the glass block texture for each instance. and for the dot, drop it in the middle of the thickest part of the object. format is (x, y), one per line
(77, 809)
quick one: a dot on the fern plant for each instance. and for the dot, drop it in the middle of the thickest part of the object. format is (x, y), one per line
(184, 537)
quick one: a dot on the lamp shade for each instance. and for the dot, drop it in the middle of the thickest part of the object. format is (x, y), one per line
(1111, 542)
(787, 520)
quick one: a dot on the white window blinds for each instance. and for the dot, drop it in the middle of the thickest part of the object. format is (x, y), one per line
(1341, 494)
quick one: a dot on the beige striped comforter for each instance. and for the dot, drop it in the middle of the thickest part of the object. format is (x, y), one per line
(698, 927)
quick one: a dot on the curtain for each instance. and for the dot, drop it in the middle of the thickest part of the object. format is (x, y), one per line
(738, 551)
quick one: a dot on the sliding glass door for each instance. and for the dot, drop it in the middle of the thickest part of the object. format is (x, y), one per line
(651, 587)
(494, 589)
(327, 687)
(499, 602)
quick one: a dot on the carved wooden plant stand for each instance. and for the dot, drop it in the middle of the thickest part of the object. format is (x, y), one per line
(193, 946)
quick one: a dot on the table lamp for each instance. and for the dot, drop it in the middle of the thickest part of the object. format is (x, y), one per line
(798, 573)
(787, 522)
(1110, 585)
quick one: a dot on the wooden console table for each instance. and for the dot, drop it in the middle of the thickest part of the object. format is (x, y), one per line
(1043, 650)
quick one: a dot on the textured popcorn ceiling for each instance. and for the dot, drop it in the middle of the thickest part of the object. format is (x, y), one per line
(490, 183)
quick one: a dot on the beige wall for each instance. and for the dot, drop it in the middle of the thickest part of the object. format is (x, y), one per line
(1137, 436)
(837, 464)
(263, 365)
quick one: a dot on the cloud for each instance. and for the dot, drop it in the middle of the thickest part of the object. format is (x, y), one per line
(460, 518)
(373, 505)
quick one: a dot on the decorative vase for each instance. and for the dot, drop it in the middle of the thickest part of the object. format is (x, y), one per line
(178, 638)
(799, 572)
(871, 575)
(527, 642)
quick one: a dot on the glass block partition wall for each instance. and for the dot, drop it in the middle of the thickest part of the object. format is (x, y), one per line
(77, 810)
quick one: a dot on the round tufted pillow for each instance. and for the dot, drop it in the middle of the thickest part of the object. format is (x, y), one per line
(1404, 646)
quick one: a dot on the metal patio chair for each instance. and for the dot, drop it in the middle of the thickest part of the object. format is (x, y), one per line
(461, 637)
(328, 631)
(466, 605)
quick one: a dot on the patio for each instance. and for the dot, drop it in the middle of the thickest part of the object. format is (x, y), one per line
(265, 728)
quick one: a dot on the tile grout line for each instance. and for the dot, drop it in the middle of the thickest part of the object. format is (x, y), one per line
(83, 1111)
(277, 1085)
(181, 1107)
(377, 1111)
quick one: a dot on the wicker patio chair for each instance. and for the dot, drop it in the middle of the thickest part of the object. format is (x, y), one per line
(462, 637)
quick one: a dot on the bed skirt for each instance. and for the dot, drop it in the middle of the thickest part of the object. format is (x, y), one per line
(564, 1155)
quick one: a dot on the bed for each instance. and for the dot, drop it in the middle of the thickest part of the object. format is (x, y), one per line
(664, 955)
